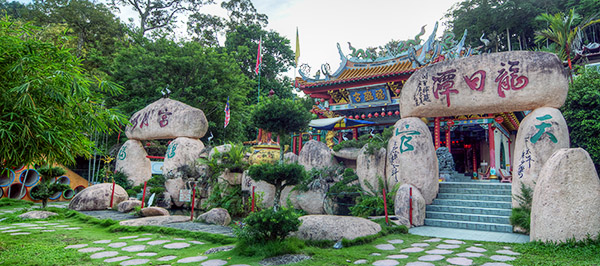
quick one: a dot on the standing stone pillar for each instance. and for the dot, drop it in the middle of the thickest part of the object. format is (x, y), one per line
(541, 133)
(132, 161)
(412, 159)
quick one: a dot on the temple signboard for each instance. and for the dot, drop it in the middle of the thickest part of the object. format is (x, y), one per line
(366, 96)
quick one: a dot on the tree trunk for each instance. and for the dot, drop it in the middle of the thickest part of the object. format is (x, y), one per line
(277, 197)
(508, 39)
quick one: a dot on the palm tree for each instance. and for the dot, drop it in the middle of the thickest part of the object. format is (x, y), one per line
(563, 30)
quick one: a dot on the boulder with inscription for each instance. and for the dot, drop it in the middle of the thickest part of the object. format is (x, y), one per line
(487, 83)
(411, 158)
(370, 168)
(182, 151)
(316, 154)
(402, 206)
(335, 228)
(97, 197)
(566, 198)
(173, 186)
(167, 119)
(217, 216)
(132, 161)
(541, 133)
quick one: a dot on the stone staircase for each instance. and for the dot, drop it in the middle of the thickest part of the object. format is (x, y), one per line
(483, 206)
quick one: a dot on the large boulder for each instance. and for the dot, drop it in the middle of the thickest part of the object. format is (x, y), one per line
(219, 149)
(232, 178)
(402, 206)
(290, 157)
(37, 215)
(541, 133)
(167, 119)
(289, 195)
(128, 205)
(487, 83)
(132, 161)
(316, 154)
(370, 168)
(155, 220)
(173, 186)
(335, 228)
(218, 216)
(348, 153)
(411, 158)
(312, 200)
(165, 201)
(181, 151)
(566, 198)
(97, 197)
(154, 211)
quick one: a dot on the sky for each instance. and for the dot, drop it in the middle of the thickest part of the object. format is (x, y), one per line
(323, 23)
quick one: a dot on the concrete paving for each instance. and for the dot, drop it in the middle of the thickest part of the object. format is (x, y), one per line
(464, 234)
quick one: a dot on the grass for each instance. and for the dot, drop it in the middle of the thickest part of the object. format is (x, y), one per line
(48, 248)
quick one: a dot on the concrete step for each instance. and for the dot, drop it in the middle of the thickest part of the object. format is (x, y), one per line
(468, 210)
(481, 197)
(492, 219)
(476, 185)
(473, 203)
(491, 191)
(469, 225)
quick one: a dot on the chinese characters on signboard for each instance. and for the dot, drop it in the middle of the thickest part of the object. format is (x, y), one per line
(369, 95)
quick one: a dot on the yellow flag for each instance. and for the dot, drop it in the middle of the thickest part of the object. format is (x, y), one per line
(297, 47)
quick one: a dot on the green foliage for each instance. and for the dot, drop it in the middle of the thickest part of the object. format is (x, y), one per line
(121, 180)
(16, 203)
(290, 245)
(345, 192)
(268, 225)
(281, 116)
(46, 187)
(581, 111)
(48, 105)
(375, 143)
(371, 203)
(318, 175)
(279, 175)
(521, 216)
(227, 197)
(234, 160)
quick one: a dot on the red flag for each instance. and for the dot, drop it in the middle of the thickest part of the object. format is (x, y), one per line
(227, 113)
(258, 58)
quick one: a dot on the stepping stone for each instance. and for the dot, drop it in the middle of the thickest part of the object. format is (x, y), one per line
(506, 247)
(134, 248)
(11, 231)
(375, 254)
(20, 233)
(476, 249)
(433, 240)
(37, 227)
(41, 222)
(6, 227)
(128, 237)
(439, 251)
(495, 264)
(49, 230)
(469, 255)
(386, 263)
(52, 224)
(192, 259)
(400, 256)
(444, 246)
(420, 245)
(460, 261)
(196, 242)
(419, 263)
(102, 242)
(147, 234)
(479, 245)
(508, 252)
(142, 239)
(76, 246)
(72, 228)
(361, 261)
(158, 242)
(396, 241)
(146, 254)
(179, 239)
(502, 258)
(117, 259)
(117, 245)
(431, 258)
(411, 250)
(61, 225)
(214, 263)
(135, 262)
(89, 250)
(176, 245)
(166, 258)
(454, 242)
(385, 247)
(240, 265)
(104, 254)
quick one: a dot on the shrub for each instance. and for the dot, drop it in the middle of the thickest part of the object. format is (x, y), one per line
(521, 216)
(371, 203)
(279, 175)
(47, 188)
(345, 192)
(268, 225)
(121, 180)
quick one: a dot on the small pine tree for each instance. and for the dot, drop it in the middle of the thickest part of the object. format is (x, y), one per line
(47, 188)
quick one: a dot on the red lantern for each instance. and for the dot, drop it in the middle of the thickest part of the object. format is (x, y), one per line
(322, 99)
(363, 116)
(376, 114)
(397, 91)
(356, 117)
(370, 115)
(390, 113)
(382, 114)
(397, 113)
(450, 123)
(499, 119)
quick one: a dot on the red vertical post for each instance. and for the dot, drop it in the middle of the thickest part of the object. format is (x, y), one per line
(355, 133)
(474, 162)
(144, 195)
(385, 207)
(300, 141)
(112, 195)
(410, 207)
(492, 143)
(253, 198)
(319, 137)
(193, 201)
(449, 139)
(294, 140)
(436, 133)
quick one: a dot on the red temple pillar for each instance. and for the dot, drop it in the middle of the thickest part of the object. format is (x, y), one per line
(492, 142)
(300, 143)
(509, 156)
(294, 144)
(449, 125)
(474, 162)
(436, 133)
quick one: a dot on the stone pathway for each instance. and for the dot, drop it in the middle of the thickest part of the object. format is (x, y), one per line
(437, 250)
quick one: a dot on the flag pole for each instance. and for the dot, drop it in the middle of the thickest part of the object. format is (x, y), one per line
(258, 95)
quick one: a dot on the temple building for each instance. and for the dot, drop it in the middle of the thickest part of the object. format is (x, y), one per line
(362, 97)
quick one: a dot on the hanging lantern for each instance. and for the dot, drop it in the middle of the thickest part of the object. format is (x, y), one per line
(397, 91)
(363, 116)
(499, 119)
(370, 115)
(356, 117)
(382, 114)
(390, 113)
(322, 100)
(397, 113)
(376, 114)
